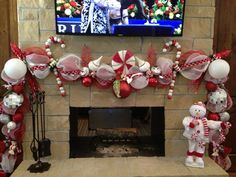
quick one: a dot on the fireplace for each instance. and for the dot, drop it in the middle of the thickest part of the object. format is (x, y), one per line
(116, 132)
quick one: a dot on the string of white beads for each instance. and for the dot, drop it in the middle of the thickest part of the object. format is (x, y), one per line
(175, 67)
(53, 62)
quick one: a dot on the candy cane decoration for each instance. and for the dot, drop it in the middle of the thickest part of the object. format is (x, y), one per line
(52, 65)
(175, 66)
(123, 61)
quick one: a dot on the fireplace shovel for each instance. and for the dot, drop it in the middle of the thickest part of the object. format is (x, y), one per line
(44, 144)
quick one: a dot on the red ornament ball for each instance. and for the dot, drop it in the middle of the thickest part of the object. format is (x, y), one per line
(18, 89)
(18, 117)
(125, 89)
(87, 81)
(211, 87)
(152, 82)
(213, 116)
(2, 173)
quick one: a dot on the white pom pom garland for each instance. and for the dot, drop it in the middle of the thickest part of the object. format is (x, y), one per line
(175, 67)
(53, 62)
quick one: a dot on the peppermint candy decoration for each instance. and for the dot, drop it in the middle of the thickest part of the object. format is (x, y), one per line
(122, 61)
(53, 62)
(175, 66)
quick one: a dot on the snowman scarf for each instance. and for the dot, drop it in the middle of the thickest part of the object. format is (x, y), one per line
(205, 126)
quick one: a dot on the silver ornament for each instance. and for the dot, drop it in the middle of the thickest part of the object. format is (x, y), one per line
(156, 70)
(84, 71)
(4, 118)
(13, 100)
(11, 126)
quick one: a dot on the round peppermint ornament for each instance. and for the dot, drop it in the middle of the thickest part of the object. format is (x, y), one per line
(122, 61)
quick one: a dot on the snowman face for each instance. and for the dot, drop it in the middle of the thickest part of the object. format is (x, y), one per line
(197, 111)
(217, 101)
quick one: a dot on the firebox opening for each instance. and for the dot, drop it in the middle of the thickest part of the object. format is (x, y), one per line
(117, 132)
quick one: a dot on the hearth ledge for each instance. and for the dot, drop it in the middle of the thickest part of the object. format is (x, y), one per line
(123, 167)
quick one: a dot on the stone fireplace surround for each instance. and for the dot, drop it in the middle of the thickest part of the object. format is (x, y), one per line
(57, 111)
(36, 24)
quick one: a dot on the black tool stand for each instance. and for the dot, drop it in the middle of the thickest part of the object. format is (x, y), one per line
(35, 108)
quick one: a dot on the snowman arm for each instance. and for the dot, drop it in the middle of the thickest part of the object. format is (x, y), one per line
(187, 121)
(215, 125)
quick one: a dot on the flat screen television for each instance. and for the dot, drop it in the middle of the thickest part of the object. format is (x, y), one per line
(120, 17)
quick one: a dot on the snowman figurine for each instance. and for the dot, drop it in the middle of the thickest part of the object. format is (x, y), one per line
(197, 132)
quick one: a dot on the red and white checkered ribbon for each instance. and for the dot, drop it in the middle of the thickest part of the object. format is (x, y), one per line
(193, 64)
(35, 68)
(75, 72)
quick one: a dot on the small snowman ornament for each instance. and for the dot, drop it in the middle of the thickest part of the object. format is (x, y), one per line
(197, 132)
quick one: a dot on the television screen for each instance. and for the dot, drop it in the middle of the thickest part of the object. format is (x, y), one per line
(120, 17)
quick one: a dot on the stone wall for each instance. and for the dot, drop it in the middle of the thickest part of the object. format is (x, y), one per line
(36, 24)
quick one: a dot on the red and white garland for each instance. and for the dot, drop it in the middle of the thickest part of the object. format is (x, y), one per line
(124, 66)
(123, 74)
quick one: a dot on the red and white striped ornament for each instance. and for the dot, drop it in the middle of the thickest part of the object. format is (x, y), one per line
(122, 61)
(175, 67)
(53, 62)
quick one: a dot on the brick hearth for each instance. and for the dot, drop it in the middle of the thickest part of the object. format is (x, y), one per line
(57, 111)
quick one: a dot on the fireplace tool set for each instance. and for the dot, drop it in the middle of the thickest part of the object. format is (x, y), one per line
(40, 145)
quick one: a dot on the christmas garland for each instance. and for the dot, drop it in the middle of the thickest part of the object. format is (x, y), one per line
(126, 73)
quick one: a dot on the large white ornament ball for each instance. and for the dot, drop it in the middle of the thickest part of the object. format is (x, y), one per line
(219, 69)
(15, 68)
(11, 125)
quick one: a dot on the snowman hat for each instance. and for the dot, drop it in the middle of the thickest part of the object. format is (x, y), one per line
(199, 103)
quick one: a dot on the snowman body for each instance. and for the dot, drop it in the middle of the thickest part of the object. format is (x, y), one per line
(197, 132)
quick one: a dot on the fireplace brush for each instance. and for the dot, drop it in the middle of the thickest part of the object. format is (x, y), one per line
(40, 145)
